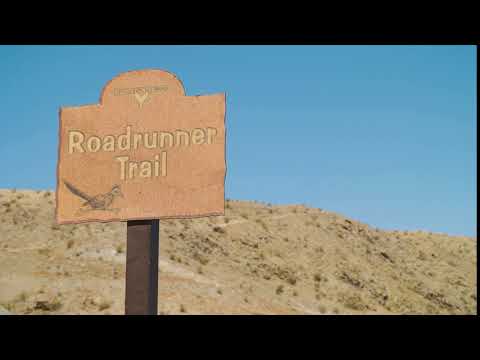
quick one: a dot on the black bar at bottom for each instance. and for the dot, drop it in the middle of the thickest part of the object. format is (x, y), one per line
(141, 279)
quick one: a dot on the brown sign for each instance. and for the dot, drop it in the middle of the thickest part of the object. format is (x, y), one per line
(147, 151)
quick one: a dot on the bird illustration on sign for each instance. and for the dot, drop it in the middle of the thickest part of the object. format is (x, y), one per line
(96, 202)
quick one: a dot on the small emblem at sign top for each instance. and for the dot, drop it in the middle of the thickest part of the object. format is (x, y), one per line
(141, 94)
(141, 98)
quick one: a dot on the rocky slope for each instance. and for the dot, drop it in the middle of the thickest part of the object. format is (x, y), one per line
(258, 259)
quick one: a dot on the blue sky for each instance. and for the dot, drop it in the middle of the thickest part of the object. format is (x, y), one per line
(382, 134)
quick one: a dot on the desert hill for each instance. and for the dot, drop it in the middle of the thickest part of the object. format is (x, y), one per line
(258, 259)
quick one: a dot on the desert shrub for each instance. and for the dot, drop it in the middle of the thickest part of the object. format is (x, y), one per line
(279, 289)
(22, 297)
(262, 224)
(119, 249)
(200, 258)
(44, 251)
(292, 280)
(353, 302)
(54, 305)
(219, 229)
(8, 306)
(104, 305)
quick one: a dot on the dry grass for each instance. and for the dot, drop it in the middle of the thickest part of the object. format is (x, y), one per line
(260, 258)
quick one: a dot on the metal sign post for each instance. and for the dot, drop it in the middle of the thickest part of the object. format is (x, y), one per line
(141, 280)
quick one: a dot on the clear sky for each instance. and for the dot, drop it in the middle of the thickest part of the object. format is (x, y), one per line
(382, 134)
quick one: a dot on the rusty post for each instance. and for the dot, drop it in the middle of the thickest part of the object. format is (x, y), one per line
(141, 280)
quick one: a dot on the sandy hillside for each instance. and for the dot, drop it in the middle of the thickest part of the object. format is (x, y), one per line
(258, 259)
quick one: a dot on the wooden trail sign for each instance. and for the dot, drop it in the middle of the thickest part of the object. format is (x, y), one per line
(147, 151)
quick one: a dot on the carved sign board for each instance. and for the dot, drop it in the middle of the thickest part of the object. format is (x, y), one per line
(146, 151)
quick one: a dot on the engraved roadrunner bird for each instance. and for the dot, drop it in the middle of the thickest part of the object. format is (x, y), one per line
(97, 202)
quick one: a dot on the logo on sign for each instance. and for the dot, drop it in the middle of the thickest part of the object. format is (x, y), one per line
(141, 94)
